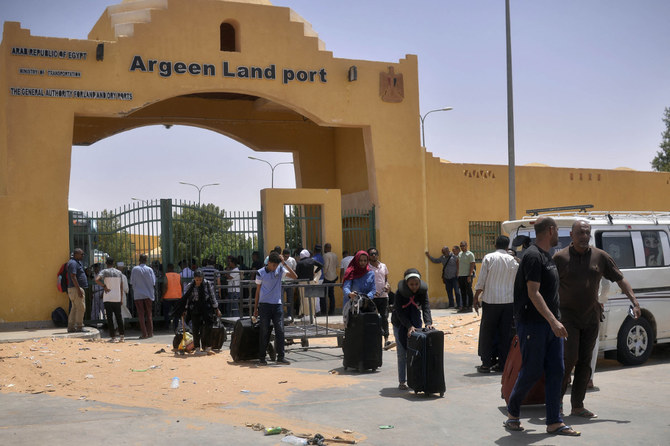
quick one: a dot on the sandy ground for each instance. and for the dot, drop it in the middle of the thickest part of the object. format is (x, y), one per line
(211, 387)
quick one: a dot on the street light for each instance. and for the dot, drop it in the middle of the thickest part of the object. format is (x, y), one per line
(510, 119)
(423, 118)
(271, 167)
(199, 188)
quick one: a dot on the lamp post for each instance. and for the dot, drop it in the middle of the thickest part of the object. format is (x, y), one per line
(199, 188)
(423, 118)
(271, 167)
(510, 119)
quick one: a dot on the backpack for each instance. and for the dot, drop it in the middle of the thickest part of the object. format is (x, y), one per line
(62, 278)
(59, 317)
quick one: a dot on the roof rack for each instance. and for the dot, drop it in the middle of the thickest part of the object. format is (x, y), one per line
(578, 207)
(610, 216)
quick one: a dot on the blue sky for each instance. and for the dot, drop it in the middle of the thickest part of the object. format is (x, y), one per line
(591, 80)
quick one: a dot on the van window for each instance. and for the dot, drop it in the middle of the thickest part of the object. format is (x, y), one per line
(563, 238)
(619, 245)
(653, 247)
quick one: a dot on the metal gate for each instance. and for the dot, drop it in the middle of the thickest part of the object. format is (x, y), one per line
(358, 230)
(483, 236)
(302, 226)
(167, 231)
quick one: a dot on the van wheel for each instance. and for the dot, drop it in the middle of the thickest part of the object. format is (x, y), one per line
(635, 341)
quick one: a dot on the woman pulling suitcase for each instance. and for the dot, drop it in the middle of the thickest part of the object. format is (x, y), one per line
(411, 304)
(199, 304)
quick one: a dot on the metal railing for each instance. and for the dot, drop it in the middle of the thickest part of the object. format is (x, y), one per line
(483, 236)
(358, 230)
(302, 226)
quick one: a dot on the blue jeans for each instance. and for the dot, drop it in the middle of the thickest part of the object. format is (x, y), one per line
(541, 351)
(330, 296)
(167, 306)
(289, 292)
(266, 313)
(452, 288)
(401, 353)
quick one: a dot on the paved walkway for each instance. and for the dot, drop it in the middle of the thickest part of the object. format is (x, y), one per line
(632, 403)
(15, 332)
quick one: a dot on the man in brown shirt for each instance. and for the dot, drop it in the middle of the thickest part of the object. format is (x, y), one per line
(580, 269)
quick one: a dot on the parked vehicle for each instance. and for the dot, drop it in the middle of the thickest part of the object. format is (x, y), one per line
(639, 243)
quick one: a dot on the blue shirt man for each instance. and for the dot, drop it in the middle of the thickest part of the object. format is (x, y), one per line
(76, 282)
(268, 305)
(143, 280)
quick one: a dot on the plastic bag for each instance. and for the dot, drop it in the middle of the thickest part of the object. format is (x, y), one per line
(186, 344)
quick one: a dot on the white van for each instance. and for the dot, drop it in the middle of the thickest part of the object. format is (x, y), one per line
(638, 242)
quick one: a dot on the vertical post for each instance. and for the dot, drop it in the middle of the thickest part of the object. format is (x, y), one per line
(373, 227)
(166, 232)
(70, 226)
(510, 120)
(259, 231)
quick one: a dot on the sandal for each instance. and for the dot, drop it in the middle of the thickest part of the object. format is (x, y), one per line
(584, 413)
(565, 430)
(513, 424)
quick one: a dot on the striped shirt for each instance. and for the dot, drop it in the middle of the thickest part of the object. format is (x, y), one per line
(210, 273)
(496, 278)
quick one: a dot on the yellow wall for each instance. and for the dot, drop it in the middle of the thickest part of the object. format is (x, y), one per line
(272, 203)
(460, 193)
(342, 135)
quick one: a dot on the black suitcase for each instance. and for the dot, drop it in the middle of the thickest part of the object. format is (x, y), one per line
(218, 333)
(363, 342)
(425, 362)
(245, 339)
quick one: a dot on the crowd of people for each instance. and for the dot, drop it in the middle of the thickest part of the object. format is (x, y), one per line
(549, 301)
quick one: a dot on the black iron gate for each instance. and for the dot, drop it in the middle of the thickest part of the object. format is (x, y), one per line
(167, 231)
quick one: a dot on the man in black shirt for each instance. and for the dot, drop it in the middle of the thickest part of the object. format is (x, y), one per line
(541, 334)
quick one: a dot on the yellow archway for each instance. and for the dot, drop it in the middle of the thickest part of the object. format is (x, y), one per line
(161, 62)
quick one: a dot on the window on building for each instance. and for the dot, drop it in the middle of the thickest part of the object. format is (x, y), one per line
(483, 236)
(228, 37)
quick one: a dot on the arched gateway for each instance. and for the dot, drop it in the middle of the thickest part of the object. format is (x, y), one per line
(249, 70)
(258, 74)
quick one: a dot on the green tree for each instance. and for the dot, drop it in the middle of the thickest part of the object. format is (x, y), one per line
(203, 231)
(293, 228)
(113, 240)
(661, 162)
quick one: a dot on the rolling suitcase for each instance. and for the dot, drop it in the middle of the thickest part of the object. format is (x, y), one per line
(425, 362)
(511, 372)
(218, 333)
(245, 339)
(363, 342)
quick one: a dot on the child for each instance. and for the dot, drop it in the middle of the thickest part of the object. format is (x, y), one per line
(411, 303)
(268, 305)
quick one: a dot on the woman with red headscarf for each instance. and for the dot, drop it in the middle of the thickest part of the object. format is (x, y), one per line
(358, 279)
